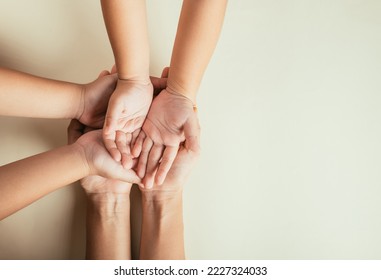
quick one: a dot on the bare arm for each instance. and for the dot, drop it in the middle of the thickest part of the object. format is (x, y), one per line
(170, 119)
(108, 234)
(126, 25)
(162, 226)
(27, 180)
(197, 35)
(26, 95)
(162, 234)
(30, 96)
(129, 104)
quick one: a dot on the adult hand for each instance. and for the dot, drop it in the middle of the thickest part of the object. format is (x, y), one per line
(95, 98)
(170, 121)
(96, 156)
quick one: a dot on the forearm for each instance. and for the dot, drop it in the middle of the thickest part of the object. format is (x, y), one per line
(162, 234)
(24, 181)
(126, 25)
(197, 35)
(108, 226)
(25, 95)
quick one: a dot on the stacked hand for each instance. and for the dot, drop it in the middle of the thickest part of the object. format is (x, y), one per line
(95, 97)
(95, 155)
(170, 121)
(141, 136)
(127, 110)
(166, 123)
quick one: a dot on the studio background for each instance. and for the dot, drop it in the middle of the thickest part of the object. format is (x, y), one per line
(290, 115)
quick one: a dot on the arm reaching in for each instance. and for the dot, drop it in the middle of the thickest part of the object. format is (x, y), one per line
(108, 234)
(27, 180)
(25, 95)
(162, 234)
(126, 25)
(169, 120)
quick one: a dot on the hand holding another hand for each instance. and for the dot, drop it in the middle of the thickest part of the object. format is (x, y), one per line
(95, 98)
(96, 156)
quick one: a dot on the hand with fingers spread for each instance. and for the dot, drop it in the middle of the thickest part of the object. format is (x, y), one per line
(170, 121)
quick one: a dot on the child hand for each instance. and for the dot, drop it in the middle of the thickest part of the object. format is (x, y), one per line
(187, 156)
(170, 121)
(95, 98)
(127, 110)
(96, 156)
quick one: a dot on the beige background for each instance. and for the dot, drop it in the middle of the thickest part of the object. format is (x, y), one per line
(290, 115)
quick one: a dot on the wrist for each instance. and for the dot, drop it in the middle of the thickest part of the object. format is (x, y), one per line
(163, 204)
(161, 196)
(109, 204)
(79, 151)
(79, 101)
(139, 79)
(176, 88)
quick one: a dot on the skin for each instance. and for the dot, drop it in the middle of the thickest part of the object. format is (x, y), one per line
(108, 212)
(108, 234)
(170, 119)
(22, 95)
(162, 234)
(133, 95)
(22, 182)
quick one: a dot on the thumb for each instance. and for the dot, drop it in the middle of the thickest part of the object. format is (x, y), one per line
(192, 134)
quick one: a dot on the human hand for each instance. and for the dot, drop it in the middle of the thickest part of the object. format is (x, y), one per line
(95, 184)
(170, 121)
(187, 156)
(95, 98)
(127, 110)
(96, 157)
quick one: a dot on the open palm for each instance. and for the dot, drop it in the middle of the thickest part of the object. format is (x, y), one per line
(170, 121)
(127, 110)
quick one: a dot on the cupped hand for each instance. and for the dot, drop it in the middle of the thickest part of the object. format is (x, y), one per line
(95, 98)
(96, 156)
(170, 121)
(186, 157)
(127, 110)
(95, 184)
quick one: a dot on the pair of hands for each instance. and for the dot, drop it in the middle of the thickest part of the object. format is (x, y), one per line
(109, 175)
(135, 129)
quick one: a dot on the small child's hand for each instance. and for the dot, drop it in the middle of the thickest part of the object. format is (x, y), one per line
(170, 121)
(186, 157)
(126, 113)
(95, 98)
(96, 156)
